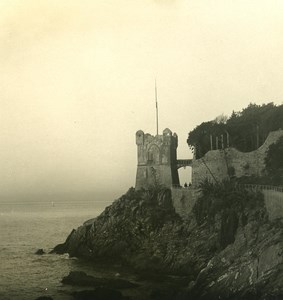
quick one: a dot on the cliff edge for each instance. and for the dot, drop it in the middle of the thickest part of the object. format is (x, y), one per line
(227, 250)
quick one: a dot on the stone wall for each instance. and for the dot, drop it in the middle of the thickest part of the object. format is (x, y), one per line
(273, 203)
(212, 167)
(219, 164)
(184, 200)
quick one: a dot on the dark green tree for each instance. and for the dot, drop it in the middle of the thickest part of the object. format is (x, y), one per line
(247, 129)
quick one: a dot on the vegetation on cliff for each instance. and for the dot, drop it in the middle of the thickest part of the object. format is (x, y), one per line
(274, 162)
(247, 129)
(230, 203)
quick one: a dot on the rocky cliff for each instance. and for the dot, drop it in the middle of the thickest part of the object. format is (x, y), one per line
(229, 251)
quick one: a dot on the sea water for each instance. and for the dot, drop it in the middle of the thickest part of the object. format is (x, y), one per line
(26, 226)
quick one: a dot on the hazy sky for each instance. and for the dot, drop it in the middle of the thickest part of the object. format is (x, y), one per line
(77, 82)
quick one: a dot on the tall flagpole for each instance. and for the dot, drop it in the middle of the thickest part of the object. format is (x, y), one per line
(156, 104)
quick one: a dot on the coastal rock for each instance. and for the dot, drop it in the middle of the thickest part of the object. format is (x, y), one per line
(82, 279)
(40, 252)
(62, 248)
(235, 255)
(241, 272)
(99, 294)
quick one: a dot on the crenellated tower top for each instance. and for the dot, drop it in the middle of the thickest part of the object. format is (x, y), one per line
(157, 159)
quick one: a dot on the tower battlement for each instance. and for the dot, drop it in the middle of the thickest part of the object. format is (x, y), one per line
(157, 159)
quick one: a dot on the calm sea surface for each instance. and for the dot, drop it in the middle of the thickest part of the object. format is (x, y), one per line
(29, 225)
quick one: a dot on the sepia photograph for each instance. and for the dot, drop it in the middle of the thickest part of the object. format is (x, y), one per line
(141, 150)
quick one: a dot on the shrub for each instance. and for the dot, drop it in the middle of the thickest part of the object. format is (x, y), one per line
(274, 162)
(230, 202)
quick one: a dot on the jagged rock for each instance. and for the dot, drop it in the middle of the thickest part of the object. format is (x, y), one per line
(240, 271)
(163, 294)
(62, 248)
(40, 252)
(82, 279)
(99, 294)
(142, 230)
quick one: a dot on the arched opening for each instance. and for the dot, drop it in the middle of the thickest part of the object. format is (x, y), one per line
(185, 176)
(153, 155)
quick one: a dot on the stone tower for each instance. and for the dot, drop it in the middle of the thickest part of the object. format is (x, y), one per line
(157, 159)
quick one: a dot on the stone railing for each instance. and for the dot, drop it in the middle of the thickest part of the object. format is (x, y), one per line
(178, 186)
(254, 187)
(184, 198)
(184, 163)
(259, 187)
(273, 198)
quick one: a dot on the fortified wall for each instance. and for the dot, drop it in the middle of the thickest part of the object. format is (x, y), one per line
(158, 163)
(184, 199)
(222, 164)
